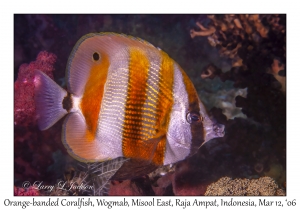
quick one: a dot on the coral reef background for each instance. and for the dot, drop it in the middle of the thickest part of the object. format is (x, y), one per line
(236, 62)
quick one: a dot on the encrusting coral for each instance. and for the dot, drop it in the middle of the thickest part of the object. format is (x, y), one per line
(31, 191)
(24, 107)
(225, 186)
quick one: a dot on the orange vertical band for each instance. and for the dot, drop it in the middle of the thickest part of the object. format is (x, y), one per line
(93, 94)
(133, 144)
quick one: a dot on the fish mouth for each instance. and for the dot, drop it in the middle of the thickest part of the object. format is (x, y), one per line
(214, 130)
(219, 130)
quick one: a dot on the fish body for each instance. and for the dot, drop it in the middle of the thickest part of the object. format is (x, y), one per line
(124, 98)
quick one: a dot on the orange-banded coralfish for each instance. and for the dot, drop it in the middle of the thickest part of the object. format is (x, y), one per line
(124, 98)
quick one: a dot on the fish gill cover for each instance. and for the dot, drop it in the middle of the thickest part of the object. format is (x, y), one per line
(237, 64)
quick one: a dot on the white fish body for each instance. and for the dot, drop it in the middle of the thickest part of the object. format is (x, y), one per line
(124, 98)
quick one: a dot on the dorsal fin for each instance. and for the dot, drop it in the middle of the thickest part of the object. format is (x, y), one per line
(80, 59)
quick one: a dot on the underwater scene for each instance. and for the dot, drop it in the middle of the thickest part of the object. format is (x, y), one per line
(150, 105)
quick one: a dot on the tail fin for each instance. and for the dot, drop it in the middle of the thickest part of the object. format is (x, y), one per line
(48, 100)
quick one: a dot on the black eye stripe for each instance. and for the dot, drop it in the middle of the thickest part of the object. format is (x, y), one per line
(96, 56)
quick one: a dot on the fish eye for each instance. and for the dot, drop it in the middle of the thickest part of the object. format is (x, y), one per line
(193, 117)
(96, 56)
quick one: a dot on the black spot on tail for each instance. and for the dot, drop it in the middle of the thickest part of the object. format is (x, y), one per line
(67, 102)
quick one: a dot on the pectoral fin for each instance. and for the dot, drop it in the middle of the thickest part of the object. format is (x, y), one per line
(151, 150)
(134, 168)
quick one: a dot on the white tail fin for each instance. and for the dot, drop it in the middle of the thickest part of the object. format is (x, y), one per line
(48, 100)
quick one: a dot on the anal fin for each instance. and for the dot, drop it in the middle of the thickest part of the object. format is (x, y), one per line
(79, 142)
